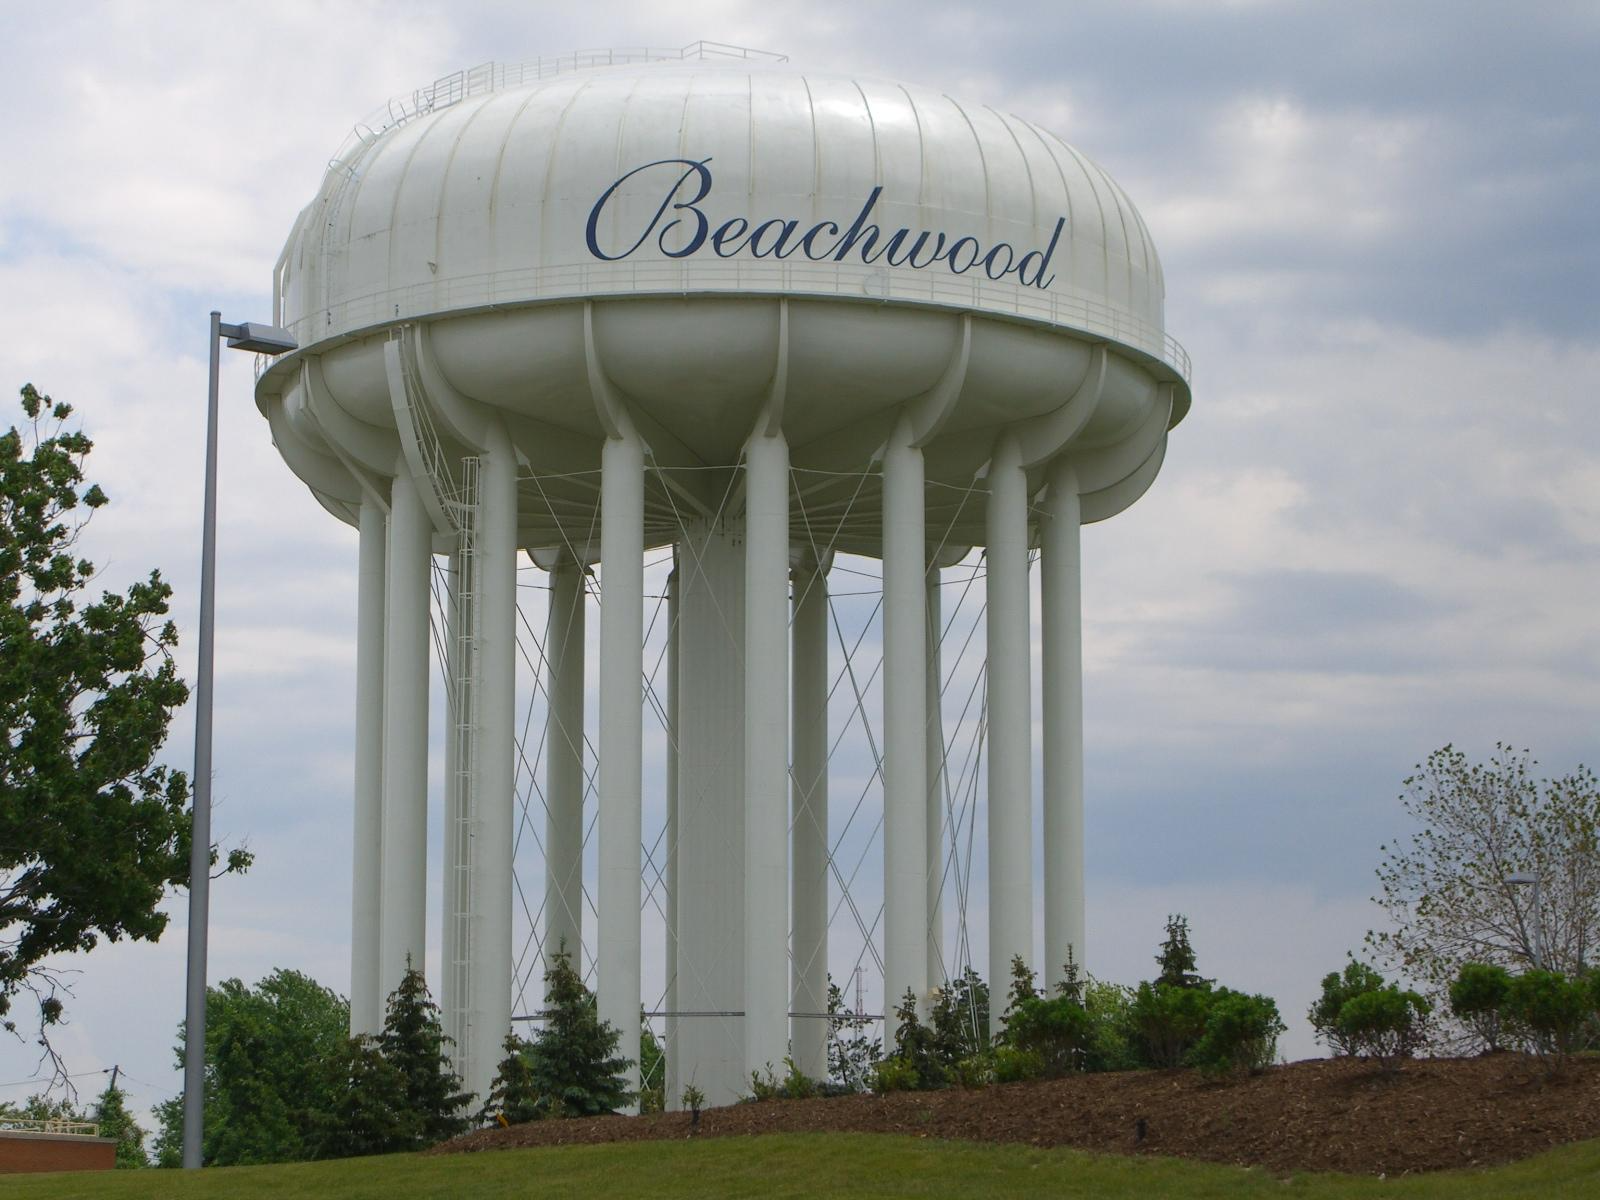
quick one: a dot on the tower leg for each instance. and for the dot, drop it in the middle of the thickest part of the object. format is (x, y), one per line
(905, 790)
(808, 978)
(766, 756)
(1062, 600)
(938, 969)
(366, 999)
(563, 769)
(621, 728)
(1010, 749)
(674, 1082)
(405, 737)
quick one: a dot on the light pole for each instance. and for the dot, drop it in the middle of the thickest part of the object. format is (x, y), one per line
(262, 339)
(1524, 879)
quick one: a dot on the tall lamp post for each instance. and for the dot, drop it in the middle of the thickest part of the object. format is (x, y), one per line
(1524, 879)
(261, 339)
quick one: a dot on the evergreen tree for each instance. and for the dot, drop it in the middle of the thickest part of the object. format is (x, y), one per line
(576, 1069)
(413, 1042)
(917, 1046)
(1022, 988)
(117, 1122)
(1176, 958)
(960, 1017)
(513, 1095)
(1072, 985)
(369, 1111)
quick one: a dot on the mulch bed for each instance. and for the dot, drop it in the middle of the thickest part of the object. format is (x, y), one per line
(1318, 1115)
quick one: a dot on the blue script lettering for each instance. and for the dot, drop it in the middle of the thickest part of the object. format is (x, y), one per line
(681, 227)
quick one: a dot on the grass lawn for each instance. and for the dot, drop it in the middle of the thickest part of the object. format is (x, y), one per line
(809, 1165)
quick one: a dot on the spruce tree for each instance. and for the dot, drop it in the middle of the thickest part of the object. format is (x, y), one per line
(513, 1095)
(369, 1112)
(576, 1069)
(413, 1041)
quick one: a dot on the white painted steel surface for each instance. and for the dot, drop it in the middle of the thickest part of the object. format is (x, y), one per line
(598, 285)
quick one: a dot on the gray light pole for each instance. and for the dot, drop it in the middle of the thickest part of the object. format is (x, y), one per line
(263, 339)
(1523, 879)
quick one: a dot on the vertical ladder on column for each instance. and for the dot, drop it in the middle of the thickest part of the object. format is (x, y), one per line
(464, 730)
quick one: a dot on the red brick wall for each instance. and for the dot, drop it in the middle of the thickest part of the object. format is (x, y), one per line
(21, 1152)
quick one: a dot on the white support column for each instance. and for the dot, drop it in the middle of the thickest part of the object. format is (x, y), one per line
(621, 729)
(766, 746)
(905, 789)
(674, 1088)
(808, 976)
(1010, 743)
(366, 909)
(455, 903)
(938, 967)
(563, 764)
(493, 782)
(1062, 600)
(405, 737)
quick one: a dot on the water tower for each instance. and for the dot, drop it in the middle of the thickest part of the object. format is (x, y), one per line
(703, 304)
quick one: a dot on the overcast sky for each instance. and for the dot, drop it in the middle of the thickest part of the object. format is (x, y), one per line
(1377, 531)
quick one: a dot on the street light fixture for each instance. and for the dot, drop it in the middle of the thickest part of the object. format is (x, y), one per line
(1526, 879)
(262, 339)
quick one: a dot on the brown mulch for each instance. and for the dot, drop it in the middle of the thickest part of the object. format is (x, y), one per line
(1318, 1115)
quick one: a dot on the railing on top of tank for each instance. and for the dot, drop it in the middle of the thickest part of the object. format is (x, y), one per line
(50, 1125)
(1081, 313)
(492, 76)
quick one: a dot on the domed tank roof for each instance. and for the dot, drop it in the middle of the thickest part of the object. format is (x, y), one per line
(712, 178)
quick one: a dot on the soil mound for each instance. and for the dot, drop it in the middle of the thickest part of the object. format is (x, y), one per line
(1317, 1115)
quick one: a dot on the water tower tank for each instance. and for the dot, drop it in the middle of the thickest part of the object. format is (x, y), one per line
(594, 307)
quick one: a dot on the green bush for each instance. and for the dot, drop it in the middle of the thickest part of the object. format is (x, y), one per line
(1111, 1038)
(893, 1074)
(1168, 1020)
(960, 1018)
(1337, 990)
(1385, 1024)
(1016, 1066)
(1478, 998)
(1554, 1011)
(974, 1071)
(917, 1045)
(1241, 1034)
(1058, 1030)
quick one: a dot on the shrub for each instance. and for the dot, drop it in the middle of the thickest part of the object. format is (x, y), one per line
(1385, 1024)
(765, 1087)
(916, 1045)
(1478, 998)
(893, 1074)
(1016, 1066)
(1167, 1021)
(1057, 1030)
(960, 1018)
(1338, 989)
(974, 1071)
(1241, 1034)
(1111, 1039)
(1553, 1010)
(797, 1085)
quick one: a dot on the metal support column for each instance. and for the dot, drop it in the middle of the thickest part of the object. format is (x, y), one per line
(766, 746)
(563, 766)
(621, 729)
(1010, 743)
(938, 969)
(1062, 600)
(366, 907)
(808, 975)
(905, 789)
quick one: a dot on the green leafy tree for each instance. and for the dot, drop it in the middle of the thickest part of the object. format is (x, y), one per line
(117, 1122)
(1110, 1009)
(652, 1069)
(92, 830)
(368, 1110)
(960, 1018)
(1168, 1020)
(1056, 1029)
(1446, 891)
(413, 1041)
(577, 1071)
(1337, 989)
(263, 1079)
(1478, 1000)
(853, 1053)
(1023, 986)
(917, 1046)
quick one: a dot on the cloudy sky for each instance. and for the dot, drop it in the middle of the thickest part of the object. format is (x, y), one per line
(1378, 530)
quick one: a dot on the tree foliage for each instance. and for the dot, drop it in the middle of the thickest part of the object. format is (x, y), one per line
(413, 1042)
(1387, 1024)
(853, 1052)
(1338, 988)
(117, 1122)
(1446, 893)
(92, 830)
(576, 1069)
(1478, 1000)
(266, 1080)
(366, 1110)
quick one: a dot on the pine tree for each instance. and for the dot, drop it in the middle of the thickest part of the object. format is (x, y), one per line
(1072, 984)
(369, 1112)
(1176, 958)
(513, 1095)
(576, 1069)
(413, 1041)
